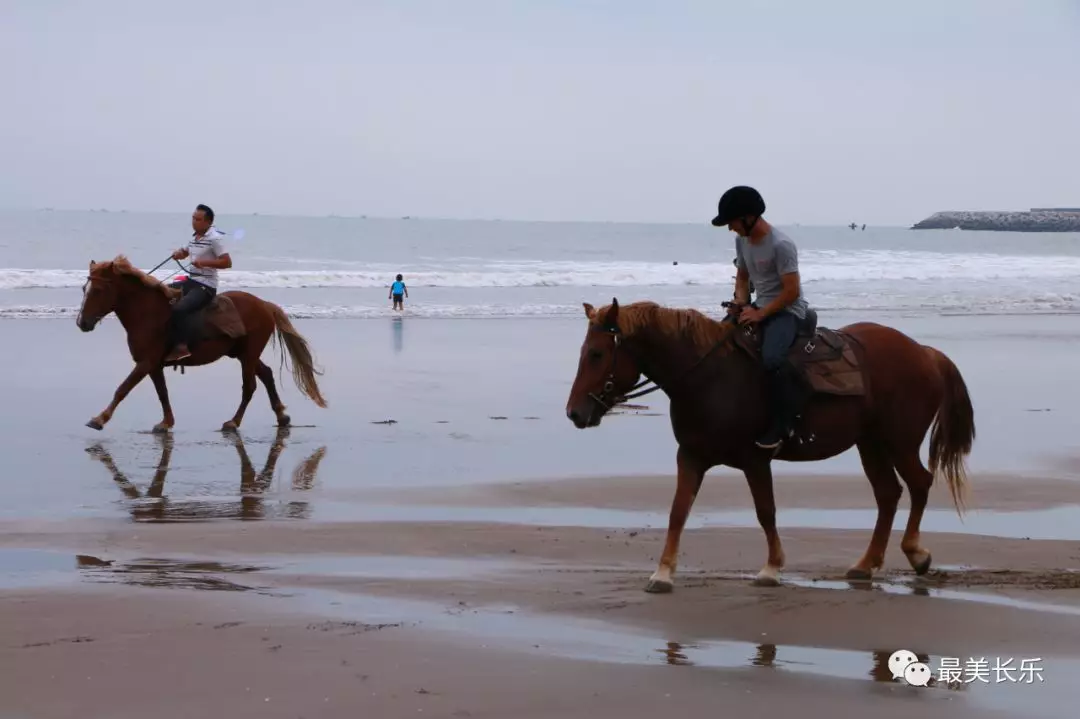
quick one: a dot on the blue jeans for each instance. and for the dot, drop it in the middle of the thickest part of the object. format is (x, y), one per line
(778, 334)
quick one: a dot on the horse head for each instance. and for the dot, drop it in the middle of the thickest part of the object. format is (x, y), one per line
(104, 289)
(100, 294)
(667, 345)
(606, 371)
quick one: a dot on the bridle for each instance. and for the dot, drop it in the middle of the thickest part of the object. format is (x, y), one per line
(90, 283)
(606, 397)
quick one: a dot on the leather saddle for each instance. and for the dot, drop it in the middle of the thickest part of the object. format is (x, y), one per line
(823, 357)
(219, 318)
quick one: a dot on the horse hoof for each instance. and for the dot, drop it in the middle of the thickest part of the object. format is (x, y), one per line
(94, 424)
(284, 421)
(229, 426)
(659, 586)
(922, 567)
(767, 577)
(860, 575)
(161, 428)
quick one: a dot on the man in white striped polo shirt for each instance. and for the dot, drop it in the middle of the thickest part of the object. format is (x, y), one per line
(208, 255)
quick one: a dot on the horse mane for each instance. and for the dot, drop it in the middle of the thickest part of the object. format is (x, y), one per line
(670, 322)
(122, 266)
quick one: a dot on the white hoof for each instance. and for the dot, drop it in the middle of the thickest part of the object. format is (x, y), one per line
(660, 582)
(659, 586)
(920, 561)
(768, 577)
(857, 574)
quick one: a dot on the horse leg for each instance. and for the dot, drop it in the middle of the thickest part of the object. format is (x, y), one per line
(759, 477)
(141, 370)
(266, 376)
(918, 480)
(689, 482)
(158, 376)
(247, 370)
(879, 470)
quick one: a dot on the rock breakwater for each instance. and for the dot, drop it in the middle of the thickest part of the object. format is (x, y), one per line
(1039, 220)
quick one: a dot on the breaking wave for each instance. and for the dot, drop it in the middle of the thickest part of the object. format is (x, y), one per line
(816, 267)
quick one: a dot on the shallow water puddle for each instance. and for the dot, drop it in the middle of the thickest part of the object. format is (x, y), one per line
(33, 567)
(170, 573)
(511, 628)
(391, 567)
(922, 588)
(24, 568)
(1061, 523)
(929, 586)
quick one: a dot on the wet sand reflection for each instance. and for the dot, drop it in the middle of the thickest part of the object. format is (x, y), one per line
(251, 504)
(843, 663)
(170, 573)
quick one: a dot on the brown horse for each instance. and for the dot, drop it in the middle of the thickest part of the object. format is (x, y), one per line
(142, 303)
(717, 395)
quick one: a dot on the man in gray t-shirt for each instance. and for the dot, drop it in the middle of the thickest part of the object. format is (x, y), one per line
(766, 261)
(769, 259)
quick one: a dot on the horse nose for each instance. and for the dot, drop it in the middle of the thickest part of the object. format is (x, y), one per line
(572, 414)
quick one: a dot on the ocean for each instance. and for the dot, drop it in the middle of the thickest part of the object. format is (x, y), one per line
(454, 391)
(341, 268)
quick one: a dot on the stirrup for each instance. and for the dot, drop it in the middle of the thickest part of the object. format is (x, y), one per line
(775, 444)
(173, 356)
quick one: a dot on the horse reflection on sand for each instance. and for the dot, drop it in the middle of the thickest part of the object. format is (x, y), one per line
(251, 503)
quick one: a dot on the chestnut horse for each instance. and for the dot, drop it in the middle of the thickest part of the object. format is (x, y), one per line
(142, 303)
(718, 404)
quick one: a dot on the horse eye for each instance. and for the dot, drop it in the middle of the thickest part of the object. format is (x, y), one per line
(595, 355)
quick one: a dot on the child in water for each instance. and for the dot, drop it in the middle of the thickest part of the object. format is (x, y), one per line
(396, 291)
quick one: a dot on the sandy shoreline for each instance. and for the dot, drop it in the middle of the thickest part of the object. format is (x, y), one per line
(354, 566)
(442, 618)
(727, 489)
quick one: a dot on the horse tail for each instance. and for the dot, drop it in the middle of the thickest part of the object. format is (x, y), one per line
(303, 365)
(953, 431)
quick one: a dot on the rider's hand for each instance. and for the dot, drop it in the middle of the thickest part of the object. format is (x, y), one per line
(751, 314)
(734, 309)
(178, 254)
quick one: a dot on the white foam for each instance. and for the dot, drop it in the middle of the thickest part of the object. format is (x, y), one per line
(1045, 304)
(865, 266)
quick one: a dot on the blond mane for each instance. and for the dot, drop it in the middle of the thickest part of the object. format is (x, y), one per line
(703, 331)
(122, 266)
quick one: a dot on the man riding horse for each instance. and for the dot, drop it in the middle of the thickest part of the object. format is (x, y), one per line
(768, 261)
(208, 253)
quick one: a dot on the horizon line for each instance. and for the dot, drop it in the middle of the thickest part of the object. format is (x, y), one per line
(420, 218)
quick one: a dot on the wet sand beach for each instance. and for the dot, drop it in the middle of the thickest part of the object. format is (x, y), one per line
(478, 557)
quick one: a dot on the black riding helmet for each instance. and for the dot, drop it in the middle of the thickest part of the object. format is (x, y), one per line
(739, 201)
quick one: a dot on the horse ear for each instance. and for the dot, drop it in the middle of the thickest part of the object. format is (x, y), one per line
(589, 310)
(612, 318)
(91, 264)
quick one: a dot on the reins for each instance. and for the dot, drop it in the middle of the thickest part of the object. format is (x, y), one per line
(165, 261)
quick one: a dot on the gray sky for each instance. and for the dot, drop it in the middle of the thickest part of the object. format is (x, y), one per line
(549, 110)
